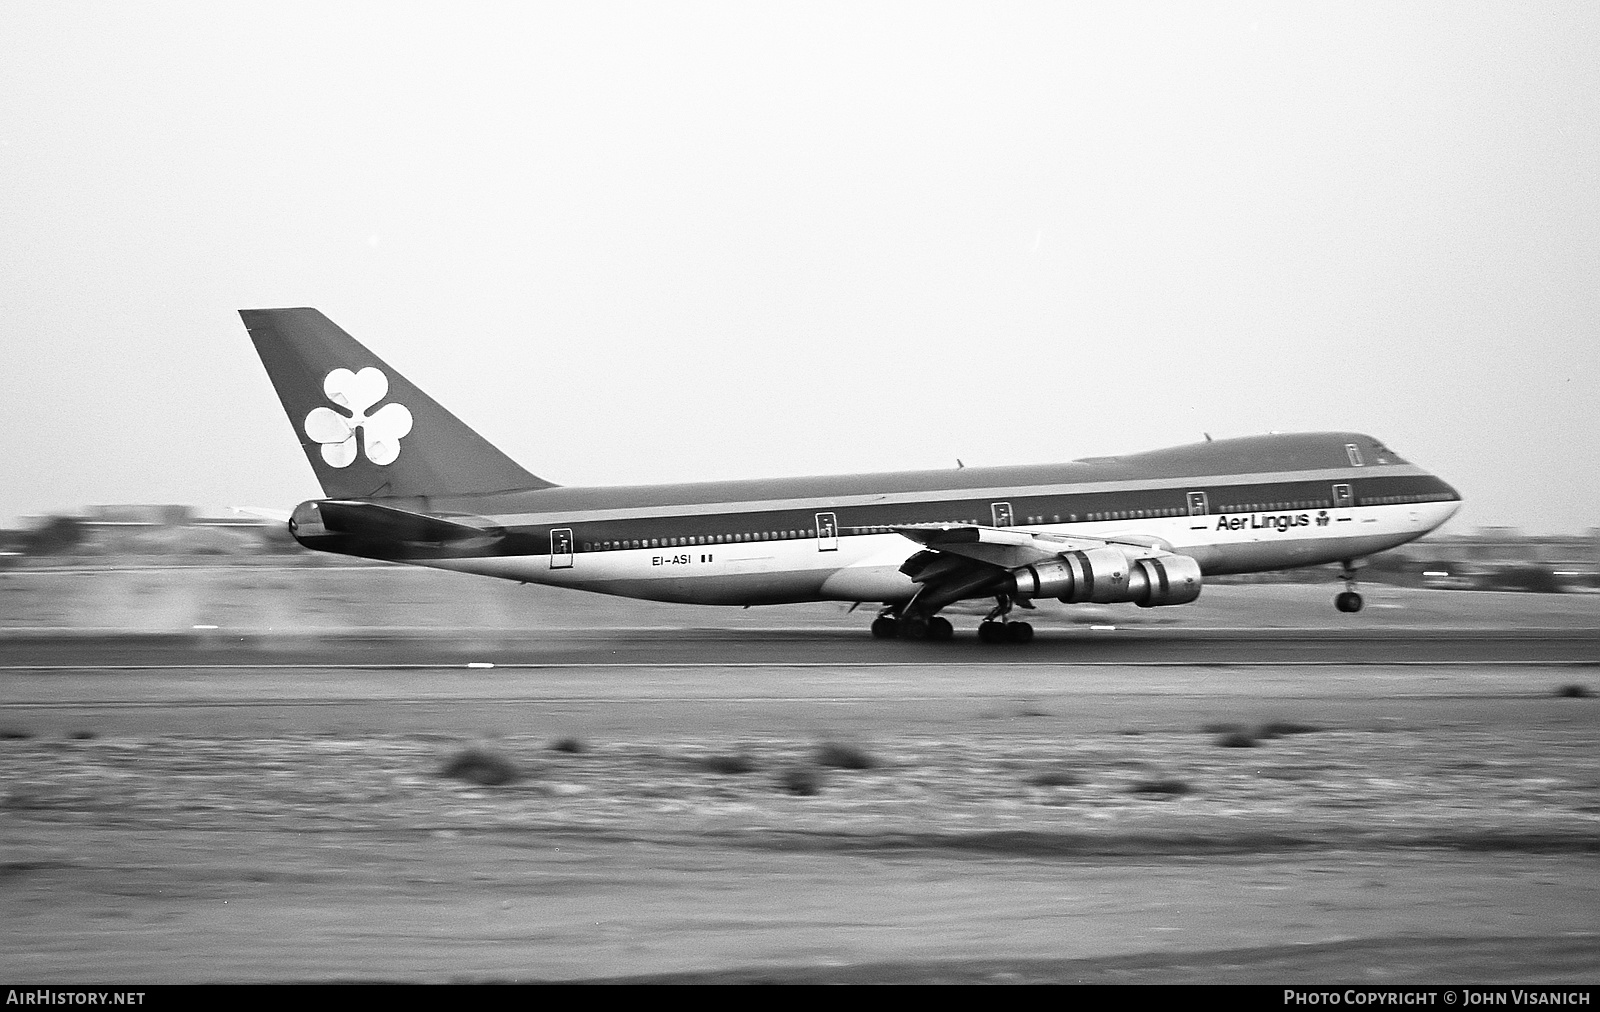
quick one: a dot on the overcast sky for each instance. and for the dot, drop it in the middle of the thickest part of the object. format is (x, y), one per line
(680, 241)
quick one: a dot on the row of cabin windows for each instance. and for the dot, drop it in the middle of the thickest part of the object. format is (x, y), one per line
(729, 539)
(1392, 500)
(889, 528)
(1260, 507)
(706, 539)
(1128, 515)
(1055, 518)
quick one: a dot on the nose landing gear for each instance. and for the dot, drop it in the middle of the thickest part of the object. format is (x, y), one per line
(1349, 601)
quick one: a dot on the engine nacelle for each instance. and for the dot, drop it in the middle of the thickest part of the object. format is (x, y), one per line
(1109, 575)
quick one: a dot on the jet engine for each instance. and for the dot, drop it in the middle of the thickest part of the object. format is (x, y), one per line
(1109, 575)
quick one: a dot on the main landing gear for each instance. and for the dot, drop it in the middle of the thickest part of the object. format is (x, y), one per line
(1005, 632)
(889, 626)
(995, 628)
(1349, 601)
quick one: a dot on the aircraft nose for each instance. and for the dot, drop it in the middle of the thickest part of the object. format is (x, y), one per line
(1438, 513)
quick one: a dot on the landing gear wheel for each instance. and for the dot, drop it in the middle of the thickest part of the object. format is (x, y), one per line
(914, 628)
(1018, 632)
(885, 628)
(1349, 601)
(991, 632)
(940, 629)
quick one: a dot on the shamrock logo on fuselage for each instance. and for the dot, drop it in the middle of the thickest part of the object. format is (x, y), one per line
(381, 431)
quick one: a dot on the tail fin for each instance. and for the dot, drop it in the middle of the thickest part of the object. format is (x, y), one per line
(366, 430)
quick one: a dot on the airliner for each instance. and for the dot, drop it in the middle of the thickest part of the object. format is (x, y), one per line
(406, 481)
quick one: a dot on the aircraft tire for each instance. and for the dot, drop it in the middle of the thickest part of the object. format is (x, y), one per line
(1349, 601)
(914, 629)
(885, 628)
(1018, 632)
(940, 629)
(991, 632)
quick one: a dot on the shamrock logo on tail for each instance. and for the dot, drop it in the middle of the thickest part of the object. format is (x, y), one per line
(356, 392)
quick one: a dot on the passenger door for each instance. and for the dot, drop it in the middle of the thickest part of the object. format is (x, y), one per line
(827, 533)
(561, 548)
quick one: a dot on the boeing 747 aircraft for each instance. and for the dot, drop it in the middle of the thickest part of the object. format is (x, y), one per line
(406, 481)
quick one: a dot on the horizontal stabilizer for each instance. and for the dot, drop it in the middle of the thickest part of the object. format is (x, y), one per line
(262, 513)
(383, 523)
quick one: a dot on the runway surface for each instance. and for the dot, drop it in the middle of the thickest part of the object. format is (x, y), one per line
(779, 646)
(1222, 804)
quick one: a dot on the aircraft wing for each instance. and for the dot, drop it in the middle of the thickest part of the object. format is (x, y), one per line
(1011, 547)
(961, 561)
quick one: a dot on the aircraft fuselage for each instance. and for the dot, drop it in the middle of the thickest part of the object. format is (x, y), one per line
(1245, 505)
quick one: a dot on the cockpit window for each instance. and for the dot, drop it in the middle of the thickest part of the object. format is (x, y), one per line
(1353, 451)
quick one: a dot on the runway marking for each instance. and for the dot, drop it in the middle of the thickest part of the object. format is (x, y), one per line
(745, 632)
(919, 663)
(198, 704)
